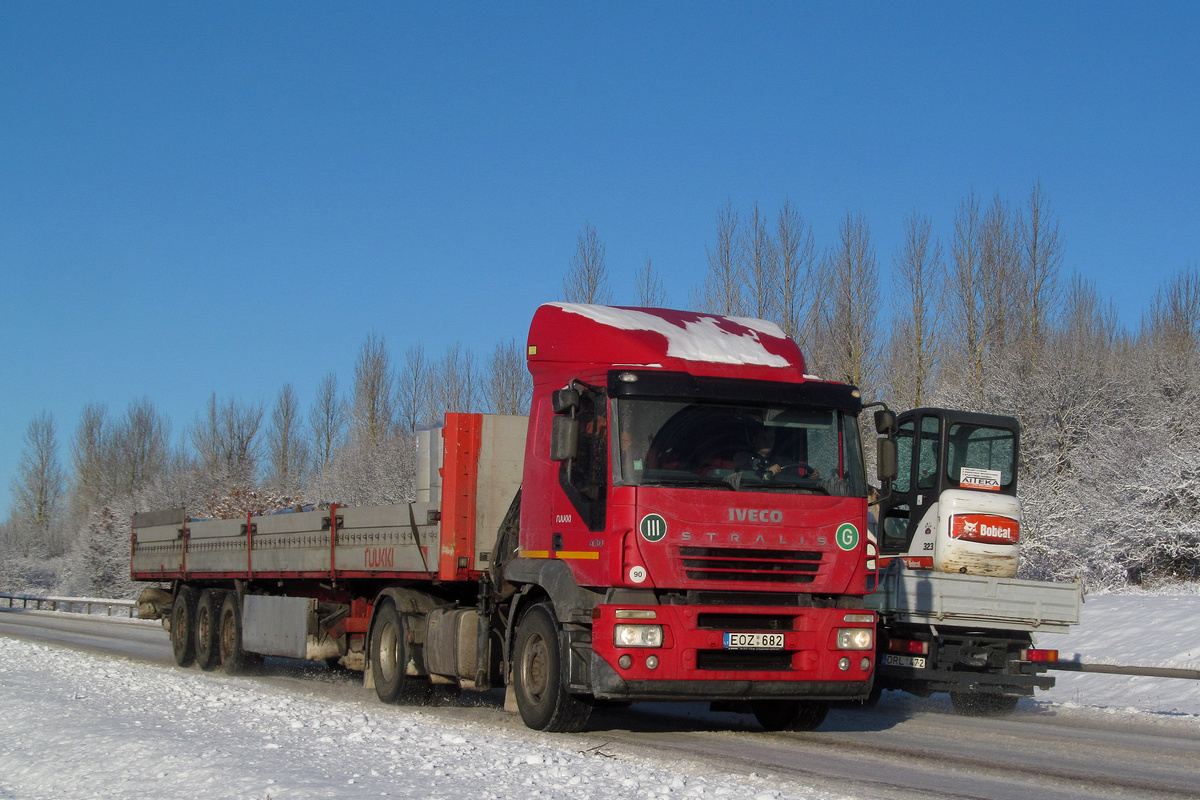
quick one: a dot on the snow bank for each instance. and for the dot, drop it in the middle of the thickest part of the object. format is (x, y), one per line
(1132, 630)
(81, 726)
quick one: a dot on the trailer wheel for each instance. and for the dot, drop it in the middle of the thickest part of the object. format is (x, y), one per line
(542, 698)
(790, 715)
(208, 611)
(183, 623)
(234, 658)
(976, 704)
(389, 657)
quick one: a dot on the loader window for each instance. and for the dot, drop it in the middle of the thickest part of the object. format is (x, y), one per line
(895, 531)
(927, 453)
(904, 458)
(980, 447)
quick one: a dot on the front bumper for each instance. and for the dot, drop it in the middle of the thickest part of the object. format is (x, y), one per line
(693, 662)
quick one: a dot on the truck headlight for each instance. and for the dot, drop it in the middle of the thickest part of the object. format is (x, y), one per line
(855, 639)
(638, 635)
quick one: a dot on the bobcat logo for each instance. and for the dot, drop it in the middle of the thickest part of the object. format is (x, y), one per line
(970, 527)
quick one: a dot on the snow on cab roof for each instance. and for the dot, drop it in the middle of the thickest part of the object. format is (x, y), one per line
(655, 336)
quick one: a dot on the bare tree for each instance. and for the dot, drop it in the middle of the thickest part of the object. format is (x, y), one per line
(759, 267)
(90, 460)
(413, 394)
(327, 421)
(373, 413)
(509, 385)
(140, 447)
(916, 332)
(587, 279)
(650, 291)
(721, 292)
(799, 286)
(287, 447)
(39, 485)
(966, 353)
(999, 284)
(1173, 324)
(226, 440)
(1041, 256)
(851, 345)
(453, 382)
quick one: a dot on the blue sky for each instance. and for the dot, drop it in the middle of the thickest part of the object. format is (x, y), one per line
(229, 196)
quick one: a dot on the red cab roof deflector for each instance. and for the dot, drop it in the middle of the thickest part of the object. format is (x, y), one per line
(659, 338)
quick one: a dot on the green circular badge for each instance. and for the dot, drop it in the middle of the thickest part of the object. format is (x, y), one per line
(847, 536)
(653, 528)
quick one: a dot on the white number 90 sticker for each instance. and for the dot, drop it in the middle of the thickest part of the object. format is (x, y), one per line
(637, 574)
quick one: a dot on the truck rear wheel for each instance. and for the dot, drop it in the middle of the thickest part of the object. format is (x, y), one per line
(183, 623)
(790, 715)
(234, 659)
(976, 704)
(389, 657)
(208, 610)
(542, 698)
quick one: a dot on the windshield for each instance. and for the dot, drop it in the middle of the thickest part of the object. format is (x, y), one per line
(782, 448)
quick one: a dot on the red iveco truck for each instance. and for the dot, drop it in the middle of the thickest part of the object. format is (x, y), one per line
(682, 516)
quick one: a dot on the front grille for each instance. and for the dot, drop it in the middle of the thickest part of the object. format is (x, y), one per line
(745, 622)
(706, 598)
(750, 566)
(744, 660)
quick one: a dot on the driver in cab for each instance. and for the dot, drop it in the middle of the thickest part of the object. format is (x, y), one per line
(761, 459)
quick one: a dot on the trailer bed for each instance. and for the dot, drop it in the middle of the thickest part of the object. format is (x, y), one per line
(975, 601)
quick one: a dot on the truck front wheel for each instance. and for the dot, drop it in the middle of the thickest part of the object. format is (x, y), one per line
(542, 698)
(183, 621)
(389, 656)
(790, 715)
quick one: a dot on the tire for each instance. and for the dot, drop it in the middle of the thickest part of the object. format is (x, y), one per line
(183, 623)
(234, 658)
(543, 700)
(790, 715)
(207, 630)
(389, 657)
(975, 704)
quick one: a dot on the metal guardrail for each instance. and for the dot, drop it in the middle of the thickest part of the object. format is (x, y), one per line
(1114, 669)
(79, 605)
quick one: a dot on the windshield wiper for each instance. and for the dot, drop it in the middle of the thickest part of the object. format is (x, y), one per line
(695, 480)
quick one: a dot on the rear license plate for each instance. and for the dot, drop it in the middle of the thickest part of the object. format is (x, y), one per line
(754, 641)
(916, 662)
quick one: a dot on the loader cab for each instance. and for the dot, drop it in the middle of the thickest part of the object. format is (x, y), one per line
(938, 450)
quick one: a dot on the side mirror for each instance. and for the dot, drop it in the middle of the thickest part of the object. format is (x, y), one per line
(886, 461)
(885, 422)
(564, 400)
(564, 438)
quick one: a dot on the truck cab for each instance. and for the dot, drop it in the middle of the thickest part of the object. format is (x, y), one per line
(673, 557)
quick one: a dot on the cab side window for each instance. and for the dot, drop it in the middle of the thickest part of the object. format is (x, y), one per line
(584, 477)
(928, 452)
(904, 458)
